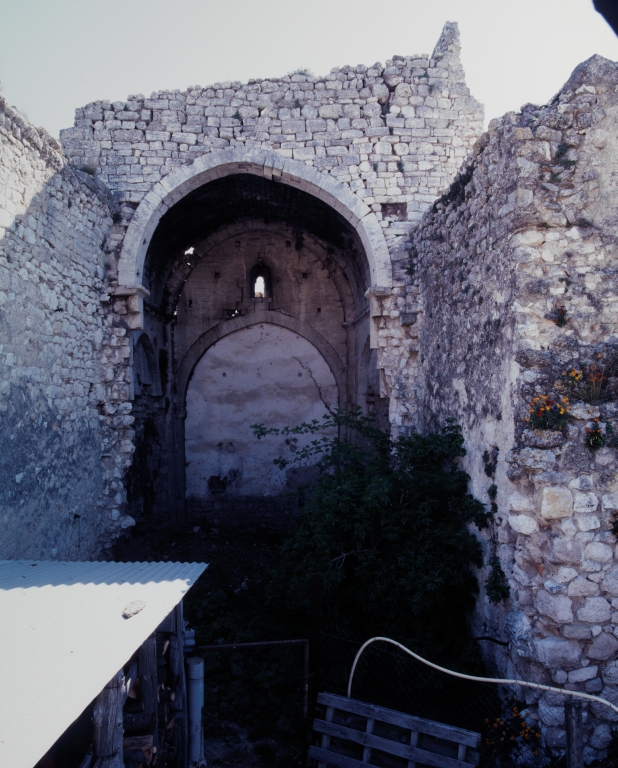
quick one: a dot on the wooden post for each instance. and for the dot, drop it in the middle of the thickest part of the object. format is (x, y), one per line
(147, 670)
(107, 718)
(316, 630)
(178, 707)
(574, 734)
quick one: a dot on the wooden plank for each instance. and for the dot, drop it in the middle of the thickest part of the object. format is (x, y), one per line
(88, 757)
(178, 707)
(330, 711)
(413, 743)
(138, 742)
(390, 747)
(409, 722)
(368, 729)
(115, 761)
(326, 758)
(138, 723)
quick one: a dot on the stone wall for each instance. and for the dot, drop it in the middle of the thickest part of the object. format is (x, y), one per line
(504, 289)
(394, 134)
(65, 423)
(516, 268)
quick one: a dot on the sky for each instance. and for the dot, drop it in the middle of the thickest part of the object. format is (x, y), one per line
(56, 55)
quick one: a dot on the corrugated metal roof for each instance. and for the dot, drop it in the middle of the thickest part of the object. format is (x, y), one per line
(63, 637)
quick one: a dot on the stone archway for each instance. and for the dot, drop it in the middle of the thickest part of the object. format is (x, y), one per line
(240, 160)
(260, 373)
(212, 336)
(188, 257)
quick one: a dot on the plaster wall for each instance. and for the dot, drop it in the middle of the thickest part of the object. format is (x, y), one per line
(307, 283)
(263, 374)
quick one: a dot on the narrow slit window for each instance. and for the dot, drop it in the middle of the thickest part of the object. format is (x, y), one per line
(260, 282)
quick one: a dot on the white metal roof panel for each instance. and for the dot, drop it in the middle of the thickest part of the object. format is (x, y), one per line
(63, 637)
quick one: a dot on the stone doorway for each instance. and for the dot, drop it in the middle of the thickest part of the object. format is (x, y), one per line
(265, 374)
(237, 259)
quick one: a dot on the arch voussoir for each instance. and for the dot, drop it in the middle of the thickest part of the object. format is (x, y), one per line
(180, 182)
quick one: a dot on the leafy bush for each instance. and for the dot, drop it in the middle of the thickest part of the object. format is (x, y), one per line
(497, 587)
(385, 525)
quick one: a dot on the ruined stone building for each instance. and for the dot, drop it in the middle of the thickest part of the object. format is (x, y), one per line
(189, 263)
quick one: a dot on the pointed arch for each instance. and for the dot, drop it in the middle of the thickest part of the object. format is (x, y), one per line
(268, 164)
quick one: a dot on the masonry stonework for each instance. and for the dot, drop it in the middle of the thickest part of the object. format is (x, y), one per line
(516, 268)
(430, 270)
(65, 420)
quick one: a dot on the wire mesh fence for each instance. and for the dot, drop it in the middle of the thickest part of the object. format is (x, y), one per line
(387, 677)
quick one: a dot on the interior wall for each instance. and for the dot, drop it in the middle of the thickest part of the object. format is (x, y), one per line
(317, 325)
(264, 374)
(307, 283)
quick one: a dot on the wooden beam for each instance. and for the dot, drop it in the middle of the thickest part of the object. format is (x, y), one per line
(108, 720)
(147, 671)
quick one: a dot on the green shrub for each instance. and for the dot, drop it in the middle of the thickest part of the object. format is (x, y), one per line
(385, 525)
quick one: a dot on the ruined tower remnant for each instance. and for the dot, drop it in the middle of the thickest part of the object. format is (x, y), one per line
(193, 262)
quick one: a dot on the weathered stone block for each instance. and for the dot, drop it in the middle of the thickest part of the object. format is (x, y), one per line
(565, 575)
(523, 524)
(551, 716)
(330, 111)
(610, 501)
(534, 459)
(519, 503)
(542, 438)
(610, 581)
(588, 522)
(585, 502)
(601, 737)
(609, 673)
(554, 652)
(584, 411)
(581, 587)
(567, 550)
(556, 502)
(598, 552)
(583, 674)
(577, 632)
(603, 647)
(594, 610)
(557, 607)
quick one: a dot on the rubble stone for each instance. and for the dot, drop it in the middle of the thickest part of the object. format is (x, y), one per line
(557, 607)
(594, 610)
(603, 647)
